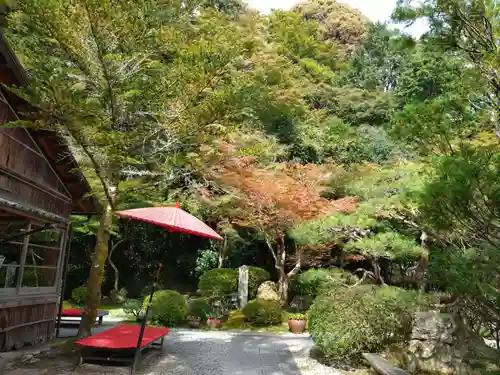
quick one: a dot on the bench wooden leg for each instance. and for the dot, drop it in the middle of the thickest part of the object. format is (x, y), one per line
(80, 359)
(158, 345)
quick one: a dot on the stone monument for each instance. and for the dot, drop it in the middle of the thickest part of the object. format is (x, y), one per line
(243, 286)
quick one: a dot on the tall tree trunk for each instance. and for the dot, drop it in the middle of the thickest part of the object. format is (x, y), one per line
(377, 271)
(283, 283)
(279, 256)
(422, 265)
(222, 253)
(115, 269)
(96, 276)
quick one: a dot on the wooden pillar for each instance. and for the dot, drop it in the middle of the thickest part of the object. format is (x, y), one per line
(63, 278)
(23, 259)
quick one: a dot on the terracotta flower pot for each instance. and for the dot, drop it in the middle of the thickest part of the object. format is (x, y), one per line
(213, 322)
(297, 325)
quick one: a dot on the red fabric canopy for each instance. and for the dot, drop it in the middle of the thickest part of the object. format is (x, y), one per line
(123, 337)
(173, 219)
(79, 312)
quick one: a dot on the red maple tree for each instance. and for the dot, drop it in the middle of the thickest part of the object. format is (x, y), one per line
(274, 200)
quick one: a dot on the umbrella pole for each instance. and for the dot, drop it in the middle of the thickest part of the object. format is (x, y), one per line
(144, 321)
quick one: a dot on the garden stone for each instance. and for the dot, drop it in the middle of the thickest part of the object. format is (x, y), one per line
(301, 303)
(118, 296)
(268, 290)
(440, 343)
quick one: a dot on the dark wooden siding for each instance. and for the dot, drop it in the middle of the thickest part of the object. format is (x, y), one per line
(27, 177)
(20, 154)
(26, 325)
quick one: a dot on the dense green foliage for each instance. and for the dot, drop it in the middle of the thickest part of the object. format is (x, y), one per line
(256, 276)
(133, 307)
(224, 281)
(199, 308)
(348, 322)
(310, 282)
(79, 294)
(218, 282)
(169, 307)
(262, 312)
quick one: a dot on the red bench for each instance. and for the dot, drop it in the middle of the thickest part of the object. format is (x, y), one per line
(119, 343)
(78, 313)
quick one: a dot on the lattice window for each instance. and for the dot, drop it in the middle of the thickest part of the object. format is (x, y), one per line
(31, 263)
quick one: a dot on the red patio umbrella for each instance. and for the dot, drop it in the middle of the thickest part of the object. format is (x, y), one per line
(174, 219)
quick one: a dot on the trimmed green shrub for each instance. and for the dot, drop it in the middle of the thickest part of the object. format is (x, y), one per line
(364, 318)
(310, 282)
(79, 294)
(219, 282)
(169, 307)
(256, 276)
(132, 307)
(262, 312)
(200, 308)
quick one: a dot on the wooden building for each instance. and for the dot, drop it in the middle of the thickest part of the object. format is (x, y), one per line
(40, 187)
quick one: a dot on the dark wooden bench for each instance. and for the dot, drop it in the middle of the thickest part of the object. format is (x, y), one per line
(118, 344)
(383, 366)
(78, 313)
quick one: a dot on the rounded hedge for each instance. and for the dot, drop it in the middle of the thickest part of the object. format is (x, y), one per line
(133, 307)
(79, 294)
(310, 282)
(199, 308)
(169, 307)
(218, 282)
(262, 312)
(256, 276)
(364, 318)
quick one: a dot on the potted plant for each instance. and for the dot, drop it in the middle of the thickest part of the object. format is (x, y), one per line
(297, 322)
(214, 322)
(194, 321)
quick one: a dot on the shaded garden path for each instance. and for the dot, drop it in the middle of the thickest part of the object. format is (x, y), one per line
(203, 353)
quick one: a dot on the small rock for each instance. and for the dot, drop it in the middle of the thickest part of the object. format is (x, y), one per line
(301, 303)
(26, 358)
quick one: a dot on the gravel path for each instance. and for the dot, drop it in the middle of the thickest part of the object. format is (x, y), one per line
(203, 353)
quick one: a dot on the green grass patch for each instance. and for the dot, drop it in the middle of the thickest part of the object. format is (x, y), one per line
(236, 322)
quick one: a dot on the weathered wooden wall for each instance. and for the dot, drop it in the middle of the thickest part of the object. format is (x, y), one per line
(32, 188)
(38, 183)
(27, 177)
(26, 325)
